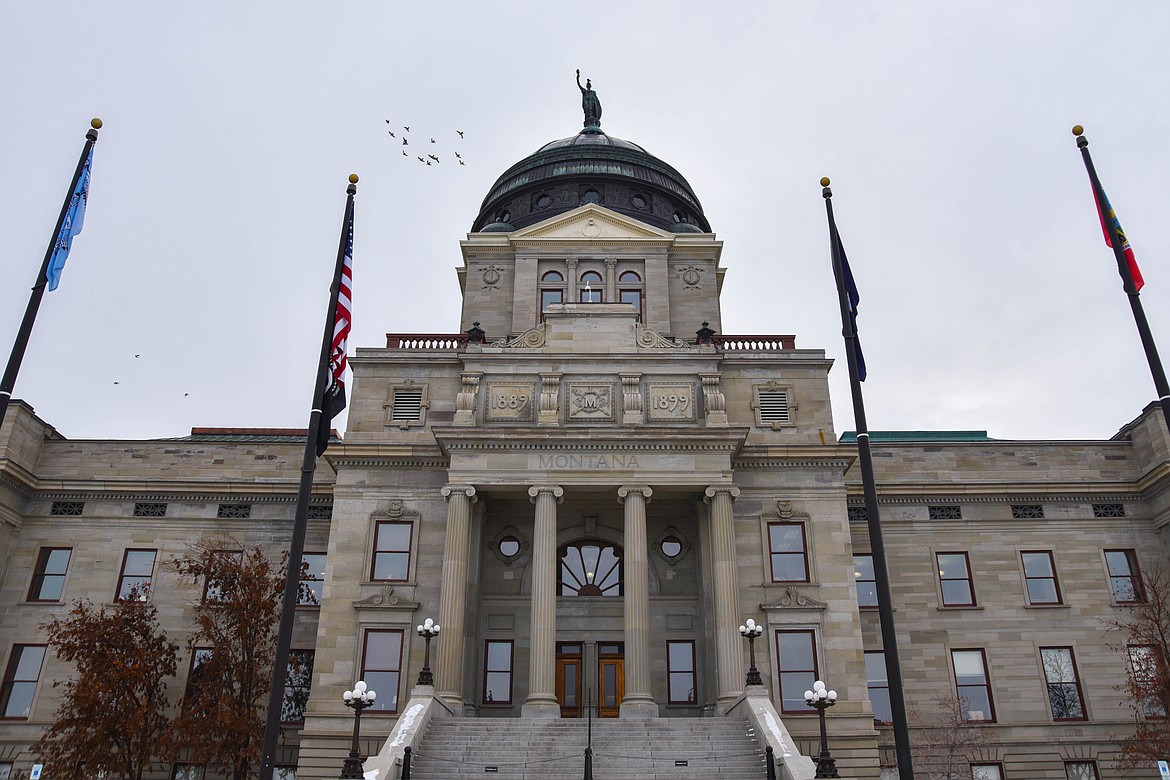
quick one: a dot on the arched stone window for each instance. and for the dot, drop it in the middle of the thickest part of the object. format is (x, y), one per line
(591, 287)
(591, 568)
(631, 290)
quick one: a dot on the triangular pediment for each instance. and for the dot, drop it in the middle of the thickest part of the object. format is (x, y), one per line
(591, 222)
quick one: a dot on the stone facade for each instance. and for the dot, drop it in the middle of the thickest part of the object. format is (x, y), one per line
(707, 469)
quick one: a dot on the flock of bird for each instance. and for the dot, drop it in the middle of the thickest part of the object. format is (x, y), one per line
(429, 159)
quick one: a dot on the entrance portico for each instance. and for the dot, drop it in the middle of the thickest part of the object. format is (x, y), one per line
(686, 466)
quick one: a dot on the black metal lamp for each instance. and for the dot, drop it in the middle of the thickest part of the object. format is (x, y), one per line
(428, 630)
(750, 631)
(821, 699)
(358, 699)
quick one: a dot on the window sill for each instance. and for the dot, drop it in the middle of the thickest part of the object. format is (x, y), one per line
(1046, 606)
(957, 607)
(496, 705)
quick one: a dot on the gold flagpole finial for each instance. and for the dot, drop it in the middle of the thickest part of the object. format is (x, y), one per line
(353, 178)
(1078, 130)
(95, 123)
(824, 181)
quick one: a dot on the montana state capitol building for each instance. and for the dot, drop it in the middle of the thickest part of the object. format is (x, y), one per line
(591, 487)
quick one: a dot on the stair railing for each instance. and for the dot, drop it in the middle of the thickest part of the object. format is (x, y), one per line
(406, 763)
(771, 763)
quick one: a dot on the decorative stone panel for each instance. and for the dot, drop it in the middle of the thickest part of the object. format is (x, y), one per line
(672, 402)
(510, 402)
(590, 401)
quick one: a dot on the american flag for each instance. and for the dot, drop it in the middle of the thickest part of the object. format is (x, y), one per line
(334, 400)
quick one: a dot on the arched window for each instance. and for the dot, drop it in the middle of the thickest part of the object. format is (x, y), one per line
(591, 568)
(552, 290)
(591, 287)
(631, 290)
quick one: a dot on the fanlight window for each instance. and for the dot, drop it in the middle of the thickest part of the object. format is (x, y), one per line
(591, 569)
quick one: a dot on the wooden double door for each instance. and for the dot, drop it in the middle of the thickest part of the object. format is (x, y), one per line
(574, 692)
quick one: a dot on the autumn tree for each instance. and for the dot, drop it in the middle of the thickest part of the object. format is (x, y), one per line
(112, 717)
(1144, 629)
(945, 741)
(221, 718)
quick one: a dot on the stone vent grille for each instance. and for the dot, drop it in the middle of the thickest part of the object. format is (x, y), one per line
(150, 509)
(774, 407)
(1027, 511)
(407, 403)
(67, 508)
(1108, 510)
(945, 513)
(234, 511)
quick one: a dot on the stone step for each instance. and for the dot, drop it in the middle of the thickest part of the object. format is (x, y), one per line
(629, 749)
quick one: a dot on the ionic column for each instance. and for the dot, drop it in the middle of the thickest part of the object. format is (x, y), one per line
(728, 655)
(542, 697)
(637, 701)
(453, 593)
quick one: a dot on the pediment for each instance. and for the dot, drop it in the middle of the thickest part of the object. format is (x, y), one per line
(591, 222)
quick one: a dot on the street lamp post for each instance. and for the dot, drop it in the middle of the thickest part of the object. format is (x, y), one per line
(820, 700)
(750, 631)
(357, 700)
(428, 630)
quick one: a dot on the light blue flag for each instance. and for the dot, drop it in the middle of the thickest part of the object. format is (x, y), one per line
(74, 219)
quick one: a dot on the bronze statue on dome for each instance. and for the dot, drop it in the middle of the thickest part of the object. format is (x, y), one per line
(589, 103)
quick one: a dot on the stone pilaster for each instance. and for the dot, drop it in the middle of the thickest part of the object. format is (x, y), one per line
(542, 698)
(611, 280)
(728, 655)
(453, 592)
(571, 280)
(637, 701)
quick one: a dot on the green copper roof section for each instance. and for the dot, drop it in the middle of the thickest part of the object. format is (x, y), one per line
(850, 437)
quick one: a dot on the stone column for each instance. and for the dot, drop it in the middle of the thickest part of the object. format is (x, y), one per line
(571, 280)
(453, 594)
(542, 696)
(637, 701)
(611, 280)
(728, 654)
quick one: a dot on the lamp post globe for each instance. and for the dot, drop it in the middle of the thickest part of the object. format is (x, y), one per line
(821, 698)
(360, 698)
(750, 630)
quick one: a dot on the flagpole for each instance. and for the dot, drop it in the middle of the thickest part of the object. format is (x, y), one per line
(38, 290)
(1127, 282)
(877, 545)
(300, 522)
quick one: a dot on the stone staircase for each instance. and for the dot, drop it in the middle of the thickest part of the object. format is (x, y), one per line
(623, 749)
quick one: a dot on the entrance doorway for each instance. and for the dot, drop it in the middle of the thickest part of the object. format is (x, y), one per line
(611, 678)
(569, 658)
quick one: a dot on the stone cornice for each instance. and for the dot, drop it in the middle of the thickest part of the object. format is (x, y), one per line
(1007, 494)
(565, 439)
(168, 493)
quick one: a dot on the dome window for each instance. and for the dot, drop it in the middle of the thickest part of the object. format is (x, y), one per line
(504, 216)
(639, 203)
(679, 217)
(543, 200)
(591, 196)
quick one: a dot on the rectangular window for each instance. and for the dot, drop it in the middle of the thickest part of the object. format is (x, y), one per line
(20, 680)
(1064, 687)
(321, 512)
(1144, 670)
(549, 297)
(972, 685)
(284, 773)
(590, 295)
(1081, 770)
(497, 671)
(864, 579)
(5, 770)
(680, 671)
(796, 653)
(381, 667)
(986, 772)
(391, 552)
(1040, 577)
(67, 508)
(137, 572)
(199, 658)
(49, 577)
(296, 686)
(312, 579)
(150, 509)
(216, 587)
(1124, 578)
(188, 772)
(879, 686)
(788, 552)
(632, 297)
(858, 514)
(954, 577)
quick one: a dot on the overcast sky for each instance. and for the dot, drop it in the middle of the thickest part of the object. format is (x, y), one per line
(989, 300)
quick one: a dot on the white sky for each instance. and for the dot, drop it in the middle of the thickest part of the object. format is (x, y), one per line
(989, 300)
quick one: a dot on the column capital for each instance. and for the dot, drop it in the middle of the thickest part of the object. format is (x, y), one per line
(467, 490)
(642, 490)
(557, 491)
(715, 490)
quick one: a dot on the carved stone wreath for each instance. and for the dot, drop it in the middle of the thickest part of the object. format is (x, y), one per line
(491, 276)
